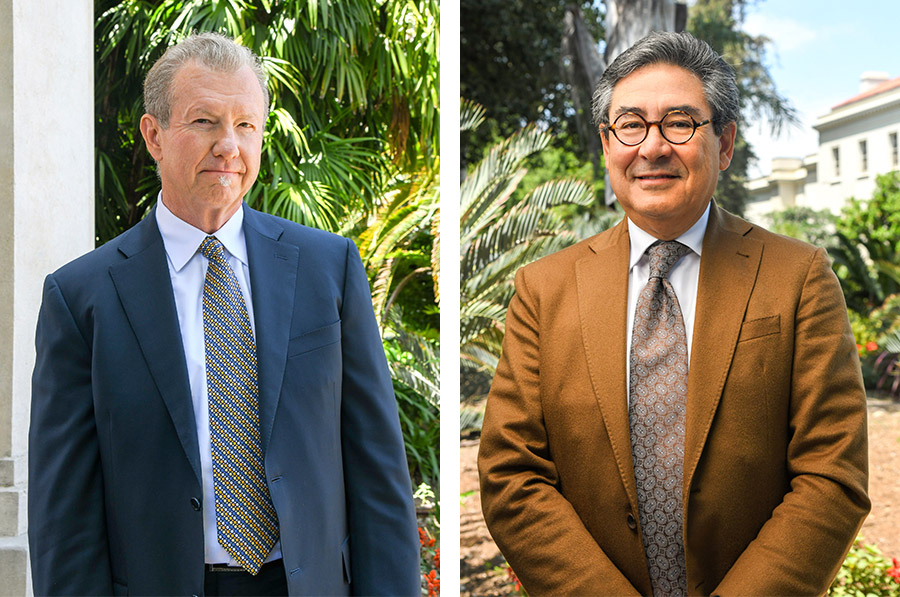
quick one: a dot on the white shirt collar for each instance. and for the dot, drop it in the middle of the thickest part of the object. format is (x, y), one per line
(641, 240)
(182, 240)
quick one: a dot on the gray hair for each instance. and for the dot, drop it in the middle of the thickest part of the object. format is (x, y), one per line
(213, 51)
(677, 49)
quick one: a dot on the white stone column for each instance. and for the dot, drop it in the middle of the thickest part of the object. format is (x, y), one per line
(46, 215)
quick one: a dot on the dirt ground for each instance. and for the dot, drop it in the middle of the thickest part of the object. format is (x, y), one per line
(480, 561)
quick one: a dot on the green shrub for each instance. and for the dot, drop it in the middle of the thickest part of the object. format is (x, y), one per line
(866, 572)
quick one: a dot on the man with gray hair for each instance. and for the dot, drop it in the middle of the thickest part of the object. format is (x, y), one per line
(679, 408)
(212, 412)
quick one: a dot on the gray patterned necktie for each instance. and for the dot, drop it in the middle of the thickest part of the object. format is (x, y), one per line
(658, 397)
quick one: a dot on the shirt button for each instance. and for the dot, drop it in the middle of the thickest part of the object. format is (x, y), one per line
(195, 504)
(630, 521)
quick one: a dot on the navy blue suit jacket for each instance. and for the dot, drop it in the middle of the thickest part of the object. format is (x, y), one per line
(114, 498)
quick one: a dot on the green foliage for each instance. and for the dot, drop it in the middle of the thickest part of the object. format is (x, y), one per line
(416, 375)
(559, 162)
(513, 585)
(887, 365)
(354, 89)
(470, 419)
(865, 329)
(399, 247)
(718, 22)
(499, 234)
(816, 227)
(867, 252)
(429, 541)
(876, 220)
(511, 61)
(865, 573)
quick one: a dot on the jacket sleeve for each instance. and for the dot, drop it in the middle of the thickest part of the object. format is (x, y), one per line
(801, 547)
(384, 542)
(532, 522)
(67, 534)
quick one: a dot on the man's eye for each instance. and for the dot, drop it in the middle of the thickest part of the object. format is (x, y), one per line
(246, 125)
(679, 124)
(631, 125)
(203, 121)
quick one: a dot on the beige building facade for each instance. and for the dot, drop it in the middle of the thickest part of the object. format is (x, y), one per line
(858, 140)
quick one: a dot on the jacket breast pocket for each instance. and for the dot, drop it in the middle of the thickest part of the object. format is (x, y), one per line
(757, 328)
(314, 339)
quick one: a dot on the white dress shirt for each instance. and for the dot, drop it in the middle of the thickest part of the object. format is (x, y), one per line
(684, 277)
(187, 268)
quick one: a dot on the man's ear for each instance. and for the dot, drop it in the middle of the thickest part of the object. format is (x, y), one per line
(150, 131)
(726, 145)
(604, 140)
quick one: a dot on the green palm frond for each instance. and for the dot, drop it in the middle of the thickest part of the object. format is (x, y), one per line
(338, 73)
(487, 186)
(471, 115)
(499, 234)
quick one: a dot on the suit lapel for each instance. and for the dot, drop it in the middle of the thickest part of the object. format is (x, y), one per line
(602, 283)
(728, 269)
(145, 291)
(273, 277)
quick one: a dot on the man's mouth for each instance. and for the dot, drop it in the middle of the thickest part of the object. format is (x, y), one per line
(655, 176)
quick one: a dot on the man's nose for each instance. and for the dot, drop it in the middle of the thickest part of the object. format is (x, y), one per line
(655, 145)
(226, 145)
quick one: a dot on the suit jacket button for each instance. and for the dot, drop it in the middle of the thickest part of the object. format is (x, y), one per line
(630, 521)
(195, 504)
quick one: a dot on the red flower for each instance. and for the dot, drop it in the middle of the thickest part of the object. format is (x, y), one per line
(870, 346)
(434, 584)
(437, 558)
(517, 585)
(424, 539)
(894, 571)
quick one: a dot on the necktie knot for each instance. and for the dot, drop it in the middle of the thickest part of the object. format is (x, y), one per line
(212, 249)
(664, 255)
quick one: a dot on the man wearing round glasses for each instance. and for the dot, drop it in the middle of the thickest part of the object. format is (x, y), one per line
(679, 407)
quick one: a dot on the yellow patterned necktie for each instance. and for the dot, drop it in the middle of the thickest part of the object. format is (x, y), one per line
(656, 410)
(246, 522)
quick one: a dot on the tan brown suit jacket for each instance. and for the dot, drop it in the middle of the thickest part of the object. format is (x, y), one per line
(775, 466)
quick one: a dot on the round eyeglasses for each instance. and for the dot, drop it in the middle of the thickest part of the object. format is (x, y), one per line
(676, 127)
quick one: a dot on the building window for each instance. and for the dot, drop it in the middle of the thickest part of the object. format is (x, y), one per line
(836, 158)
(863, 157)
(895, 159)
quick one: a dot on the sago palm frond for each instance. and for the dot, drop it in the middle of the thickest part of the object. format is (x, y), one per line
(471, 114)
(338, 74)
(500, 234)
(484, 189)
